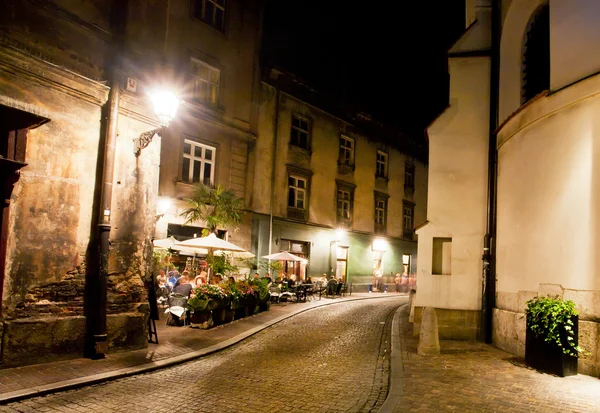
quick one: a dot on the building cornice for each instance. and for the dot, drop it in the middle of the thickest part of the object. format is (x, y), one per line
(24, 66)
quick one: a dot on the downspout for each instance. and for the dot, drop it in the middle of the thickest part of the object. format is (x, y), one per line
(97, 332)
(273, 166)
(488, 297)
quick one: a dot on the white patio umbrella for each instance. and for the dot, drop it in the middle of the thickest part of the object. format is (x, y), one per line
(212, 244)
(235, 254)
(170, 244)
(284, 256)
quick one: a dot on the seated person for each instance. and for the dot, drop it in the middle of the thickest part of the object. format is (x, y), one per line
(183, 286)
(161, 278)
(199, 280)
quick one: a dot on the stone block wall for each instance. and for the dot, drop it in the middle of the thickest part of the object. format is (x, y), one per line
(509, 322)
(452, 324)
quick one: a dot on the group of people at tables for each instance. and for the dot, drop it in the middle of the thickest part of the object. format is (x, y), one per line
(182, 284)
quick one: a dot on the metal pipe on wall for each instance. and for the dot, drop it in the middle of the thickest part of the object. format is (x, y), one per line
(96, 339)
(273, 166)
(488, 297)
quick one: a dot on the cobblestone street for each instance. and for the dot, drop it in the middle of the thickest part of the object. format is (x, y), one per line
(475, 377)
(331, 359)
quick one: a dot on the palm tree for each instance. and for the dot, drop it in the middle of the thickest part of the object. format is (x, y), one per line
(217, 206)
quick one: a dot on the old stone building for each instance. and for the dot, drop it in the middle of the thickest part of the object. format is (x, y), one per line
(74, 84)
(331, 184)
(512, 175)
(216, 125)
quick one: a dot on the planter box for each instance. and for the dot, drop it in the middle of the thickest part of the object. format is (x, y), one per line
(548, 357)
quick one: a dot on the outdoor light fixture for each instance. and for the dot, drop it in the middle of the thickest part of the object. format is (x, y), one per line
(379, 244)
(165, 105)
(340, 233)
(163, 206)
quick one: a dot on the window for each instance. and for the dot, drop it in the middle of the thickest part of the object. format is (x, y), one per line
(382, 160)
(198, 162)
(343, 204)
(442, 251)
(380, 212)
(206, 82)
(408, 221)
(300, 133)
(211, 12)
(535, 76)
(381, 203)
(409, 175)
(346, 156)
(297, 192)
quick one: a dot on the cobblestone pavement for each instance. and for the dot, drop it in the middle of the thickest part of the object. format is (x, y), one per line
(475, 377)
(330, 359)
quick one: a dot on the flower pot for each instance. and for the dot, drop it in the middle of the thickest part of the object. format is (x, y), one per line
(264, 306)
(229, 315)
(202, 318)
(547, 356)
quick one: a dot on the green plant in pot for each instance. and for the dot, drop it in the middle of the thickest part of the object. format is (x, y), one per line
(552, 335)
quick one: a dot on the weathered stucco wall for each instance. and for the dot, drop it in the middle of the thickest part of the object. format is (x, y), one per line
(52, 202)
(547, 184)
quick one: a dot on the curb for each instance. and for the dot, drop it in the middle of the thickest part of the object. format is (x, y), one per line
(395, 391)
(64, 385)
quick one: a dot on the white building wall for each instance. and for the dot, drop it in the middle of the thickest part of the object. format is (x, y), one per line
(458, 145)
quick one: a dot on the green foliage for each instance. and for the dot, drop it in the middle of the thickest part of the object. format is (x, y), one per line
(220, 264)
(262, 286)
(162, 259)
(217, 206)
(548, 317)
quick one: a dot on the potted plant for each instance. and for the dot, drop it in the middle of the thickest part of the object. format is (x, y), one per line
(262, 291)
(203, 300)
(551, 342)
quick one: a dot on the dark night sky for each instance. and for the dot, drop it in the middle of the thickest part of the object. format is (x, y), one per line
(388, 57)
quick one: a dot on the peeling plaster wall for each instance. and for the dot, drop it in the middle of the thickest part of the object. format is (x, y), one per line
(52, 202)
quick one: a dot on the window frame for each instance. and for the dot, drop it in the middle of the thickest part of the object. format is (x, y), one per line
(195, 62)
(409, 171)
(380, 204)
(385, 164)
(307, 131)
(298, 190)
(191, 156)
(408, 231)
(351, 150)
(345, 187)
(210, 22)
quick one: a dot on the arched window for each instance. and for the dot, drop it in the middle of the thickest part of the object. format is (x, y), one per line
(535, 68)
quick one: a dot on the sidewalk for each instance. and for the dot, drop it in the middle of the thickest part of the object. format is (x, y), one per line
(176, 345)
(475, 377)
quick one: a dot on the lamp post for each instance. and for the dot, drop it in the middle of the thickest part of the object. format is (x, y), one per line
(165, 105)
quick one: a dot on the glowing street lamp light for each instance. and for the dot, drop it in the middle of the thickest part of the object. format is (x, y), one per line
(165, 105)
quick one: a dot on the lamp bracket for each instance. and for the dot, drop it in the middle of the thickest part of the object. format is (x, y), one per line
(144, 140)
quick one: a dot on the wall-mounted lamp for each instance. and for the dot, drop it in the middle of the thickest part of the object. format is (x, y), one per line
(379, 244)
(163, 206)
(165, 107)
(340, 233)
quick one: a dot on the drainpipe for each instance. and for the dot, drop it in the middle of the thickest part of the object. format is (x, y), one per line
(488, 297)
(273, 166)
(97, 333)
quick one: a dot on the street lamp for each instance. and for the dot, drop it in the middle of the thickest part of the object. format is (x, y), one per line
(165, 105)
